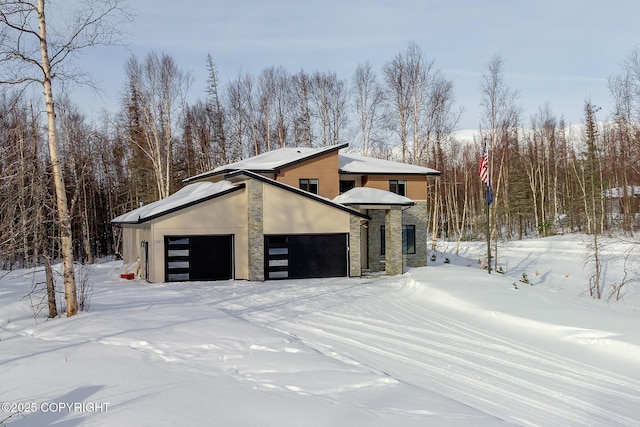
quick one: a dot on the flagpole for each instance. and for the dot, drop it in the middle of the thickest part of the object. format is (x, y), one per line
(486, 178)
(488, 234)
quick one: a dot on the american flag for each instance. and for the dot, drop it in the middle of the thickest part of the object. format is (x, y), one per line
(484, 173)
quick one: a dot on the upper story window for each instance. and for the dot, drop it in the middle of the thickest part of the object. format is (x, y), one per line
(346, 185)
(398, 186)
(309, 184)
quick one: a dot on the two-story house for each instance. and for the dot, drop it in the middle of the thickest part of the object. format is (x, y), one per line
(288, 213)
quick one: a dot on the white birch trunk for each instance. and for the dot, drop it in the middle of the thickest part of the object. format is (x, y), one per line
(61, 195)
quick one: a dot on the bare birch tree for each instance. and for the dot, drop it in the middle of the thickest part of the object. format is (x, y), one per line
(273, 101)
(29, 53)
(157, 89)
(236, 118)
(398, 96)
(501, 116)
(301, 99)
(282, 103)
(368, 99)
(625, 90)
(250, 109)
(420, 77)
(328, 96)
(265, 101)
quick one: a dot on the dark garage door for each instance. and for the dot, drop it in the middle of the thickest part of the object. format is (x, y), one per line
(305, 256)
(198, 258)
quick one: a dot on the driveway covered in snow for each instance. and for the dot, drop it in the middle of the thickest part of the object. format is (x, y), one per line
(546, 367)
(443, 345)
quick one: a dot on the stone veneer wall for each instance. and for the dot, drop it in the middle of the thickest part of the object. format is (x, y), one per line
(417, 215)
(393, 237)
(354, 247)
(376, 260)
(256, 229)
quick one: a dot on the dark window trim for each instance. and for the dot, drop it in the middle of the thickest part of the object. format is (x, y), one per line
(395, 185)
(344, 183)
(307, 184)
(408, 244)
(406, 248)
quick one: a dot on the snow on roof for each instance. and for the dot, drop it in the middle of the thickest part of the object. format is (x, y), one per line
(271, 160)
(191, 193)
(348, 163)
(357, 163)
(371, 196)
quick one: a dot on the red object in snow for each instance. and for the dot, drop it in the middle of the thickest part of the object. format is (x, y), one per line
(128, 276)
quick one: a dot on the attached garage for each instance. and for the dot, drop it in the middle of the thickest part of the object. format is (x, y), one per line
(246, 227)
(198, 258)
(196, 234)
(306, 256)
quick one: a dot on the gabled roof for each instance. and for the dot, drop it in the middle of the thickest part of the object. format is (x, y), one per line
(271, 161)
(234, 176)
(352, 163)
(190, 195)
(349, 163)
(199, 192)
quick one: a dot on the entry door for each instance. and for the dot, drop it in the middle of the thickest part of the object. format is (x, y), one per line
(301, 256)
(198, 258)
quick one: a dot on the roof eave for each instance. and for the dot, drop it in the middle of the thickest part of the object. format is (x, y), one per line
(178, 208)
(380, 205)
(434, 173)
(224, 172)
(271, 170)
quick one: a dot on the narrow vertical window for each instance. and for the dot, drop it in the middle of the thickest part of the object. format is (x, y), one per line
(409, 239)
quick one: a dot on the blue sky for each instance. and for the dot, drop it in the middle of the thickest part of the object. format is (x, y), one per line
(559, 52)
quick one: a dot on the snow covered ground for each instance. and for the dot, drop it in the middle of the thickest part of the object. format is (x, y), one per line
(444, 345)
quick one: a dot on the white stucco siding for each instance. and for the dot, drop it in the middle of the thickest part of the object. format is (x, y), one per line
(288, 213)
(132, 249)
(225, 215)
(132, 237)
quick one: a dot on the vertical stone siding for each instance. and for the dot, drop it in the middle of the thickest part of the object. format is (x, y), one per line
(418, 215)
(376, 260)
(354, 247)
(393, 237)
(256, 230)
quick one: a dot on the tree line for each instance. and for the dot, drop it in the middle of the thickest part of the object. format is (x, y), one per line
(546, 177)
